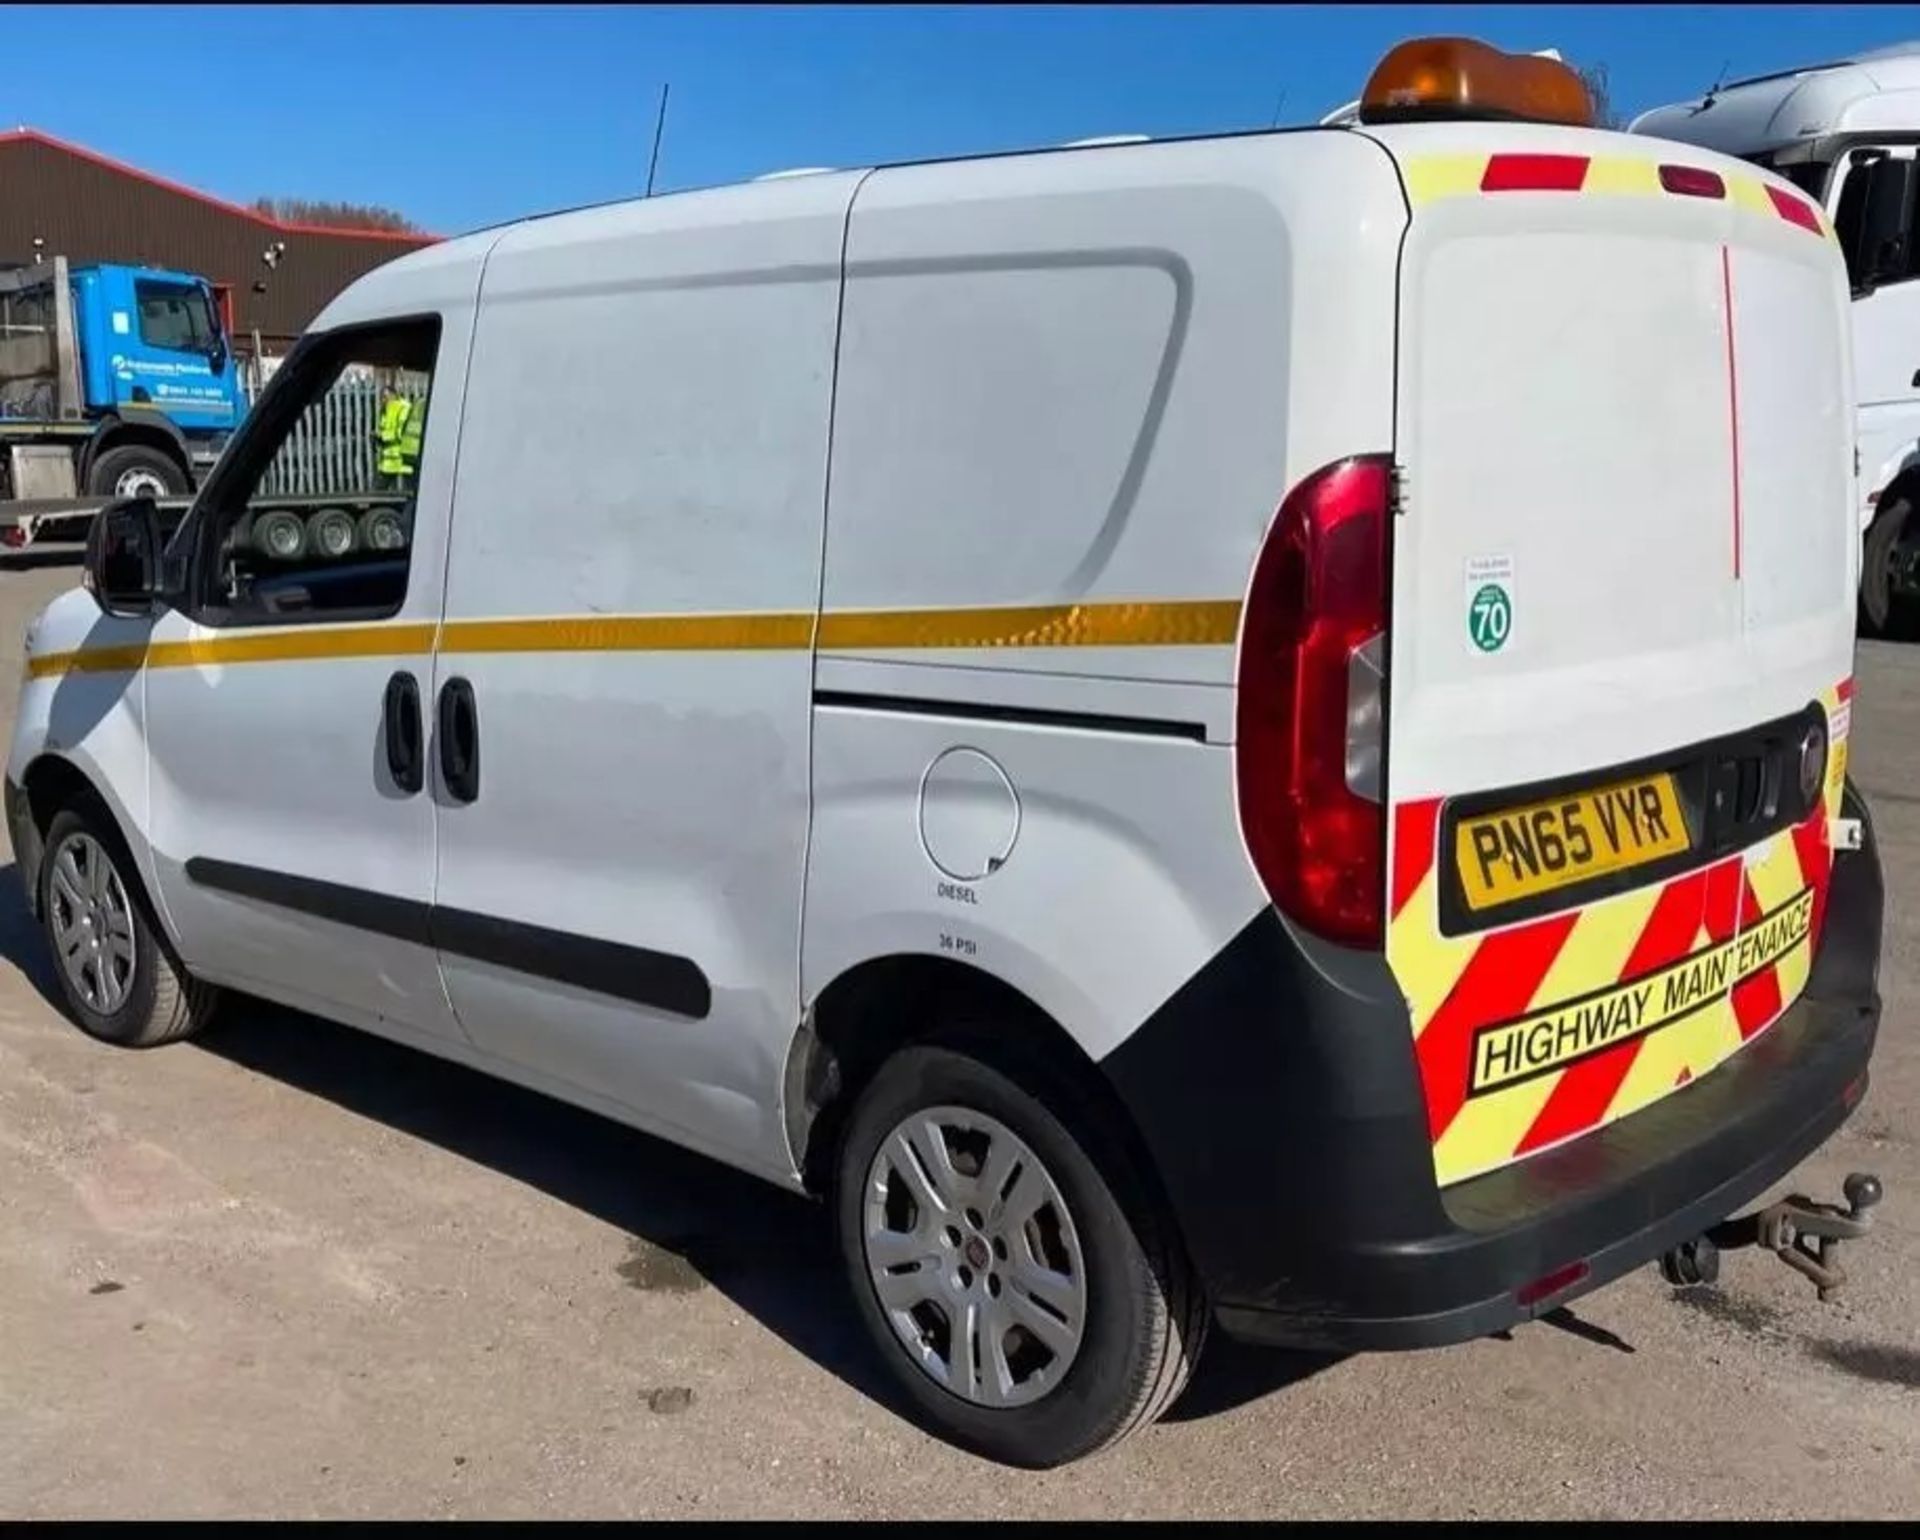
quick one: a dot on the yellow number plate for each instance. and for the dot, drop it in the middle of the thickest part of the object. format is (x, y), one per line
(1545, 845)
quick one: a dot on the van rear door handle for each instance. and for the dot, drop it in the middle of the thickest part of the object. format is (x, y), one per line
(400, 716)
(458, 729)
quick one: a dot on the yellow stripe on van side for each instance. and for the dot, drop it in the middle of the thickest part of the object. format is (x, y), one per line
(1145, 623)
(632, 633)
(295, 645)
(88, 660)
(280, 645)
(1164, 623)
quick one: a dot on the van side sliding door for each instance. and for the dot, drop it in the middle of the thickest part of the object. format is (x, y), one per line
(622, 692)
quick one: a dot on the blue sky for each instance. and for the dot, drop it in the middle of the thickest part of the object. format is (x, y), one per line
(465, 116)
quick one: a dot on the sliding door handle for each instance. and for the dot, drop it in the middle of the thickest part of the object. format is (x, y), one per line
(400, 715)
(458, 729)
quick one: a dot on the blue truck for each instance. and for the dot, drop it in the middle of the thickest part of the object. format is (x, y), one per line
(115, 381)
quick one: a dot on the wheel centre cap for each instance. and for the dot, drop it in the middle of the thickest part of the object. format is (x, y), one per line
(975, 1251)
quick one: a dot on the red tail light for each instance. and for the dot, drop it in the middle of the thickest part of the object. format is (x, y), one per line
(1692, 182)
(1308, 723)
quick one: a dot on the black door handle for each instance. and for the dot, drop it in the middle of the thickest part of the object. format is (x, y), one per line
(458, 729)
(401, 714)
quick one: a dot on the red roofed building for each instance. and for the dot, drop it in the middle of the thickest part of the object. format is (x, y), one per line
(88, 208)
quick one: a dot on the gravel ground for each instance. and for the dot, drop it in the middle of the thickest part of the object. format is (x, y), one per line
(291, 1270)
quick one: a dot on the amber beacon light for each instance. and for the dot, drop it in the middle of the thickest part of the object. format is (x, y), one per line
(1455, 77)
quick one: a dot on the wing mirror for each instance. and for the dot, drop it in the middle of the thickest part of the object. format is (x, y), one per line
(123, 557)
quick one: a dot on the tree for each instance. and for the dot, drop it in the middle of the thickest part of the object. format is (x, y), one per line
(1595, 76)
(341, 216)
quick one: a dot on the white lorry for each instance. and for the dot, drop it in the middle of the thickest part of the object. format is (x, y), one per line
(1847, 133)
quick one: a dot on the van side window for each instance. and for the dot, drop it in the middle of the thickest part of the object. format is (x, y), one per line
(310, 516)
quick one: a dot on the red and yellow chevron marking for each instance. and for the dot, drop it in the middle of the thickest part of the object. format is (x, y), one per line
(1430, 178)
(1532, 1034)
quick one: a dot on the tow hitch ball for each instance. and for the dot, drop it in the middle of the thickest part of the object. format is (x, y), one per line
(1801, 1233)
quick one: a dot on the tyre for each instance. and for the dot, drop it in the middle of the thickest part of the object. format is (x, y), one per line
(121, 981)
(1887, 560)
(382, 529)
(331, 533)
(137, 470)
(280, 534)
(1024, 1286)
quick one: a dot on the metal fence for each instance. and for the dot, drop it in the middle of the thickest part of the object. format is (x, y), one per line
(332, 450)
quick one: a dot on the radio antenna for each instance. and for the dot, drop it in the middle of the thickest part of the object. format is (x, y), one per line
(1713, 91)
(659, 128)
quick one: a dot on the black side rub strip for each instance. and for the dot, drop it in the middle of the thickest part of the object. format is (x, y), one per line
(661, 980)
(404, 919)
(1087, 721)
(637, 973)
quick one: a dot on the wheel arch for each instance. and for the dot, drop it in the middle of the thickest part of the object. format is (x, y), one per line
(174, 1004)
(879, 1006)
(1904, 482)
(150, 431)
(1902, 489)
(52, 783)
(1903, 465)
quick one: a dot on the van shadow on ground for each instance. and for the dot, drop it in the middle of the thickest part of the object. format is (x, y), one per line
(693, 1221)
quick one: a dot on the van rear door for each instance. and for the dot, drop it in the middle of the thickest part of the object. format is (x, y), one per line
(1622, 623)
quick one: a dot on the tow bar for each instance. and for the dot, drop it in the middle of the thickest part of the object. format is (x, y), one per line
(1802, 1233)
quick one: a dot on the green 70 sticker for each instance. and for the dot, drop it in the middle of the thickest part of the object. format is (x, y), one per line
(1489, 601)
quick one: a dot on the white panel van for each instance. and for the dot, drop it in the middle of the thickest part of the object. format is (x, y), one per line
(1244, 730)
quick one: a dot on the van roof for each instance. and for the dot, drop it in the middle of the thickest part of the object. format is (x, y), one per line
(487, 234)
(474, 244)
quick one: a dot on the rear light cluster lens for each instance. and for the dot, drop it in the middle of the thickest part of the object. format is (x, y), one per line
(1310, 703)
(1692, 182)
